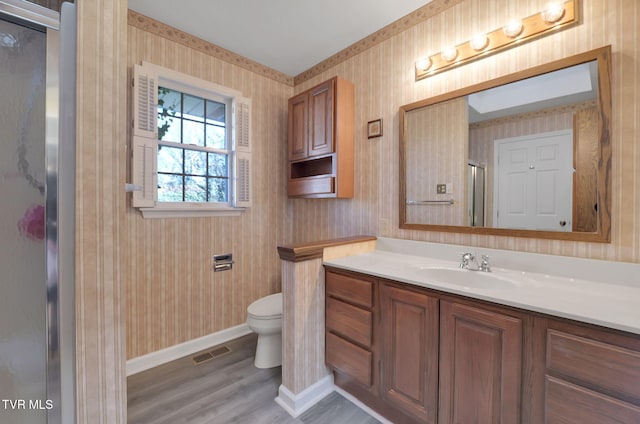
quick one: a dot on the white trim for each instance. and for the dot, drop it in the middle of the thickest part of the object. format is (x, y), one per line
(361, 405)
(176, 145)
(153, 359)
(191, 84)
(189, 212)
(297, 404)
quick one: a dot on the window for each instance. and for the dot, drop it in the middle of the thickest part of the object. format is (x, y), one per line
(191, 150)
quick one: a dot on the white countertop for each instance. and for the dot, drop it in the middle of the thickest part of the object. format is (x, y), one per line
(594, 300)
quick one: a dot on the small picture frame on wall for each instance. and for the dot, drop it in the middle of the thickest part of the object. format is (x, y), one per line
(374, 128)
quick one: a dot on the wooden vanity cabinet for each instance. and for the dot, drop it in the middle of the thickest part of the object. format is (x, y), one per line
(320, 141)
(410, 353)
(429, 354)
(480, 365)
(417, 355)
(349, 322)
(591, 375)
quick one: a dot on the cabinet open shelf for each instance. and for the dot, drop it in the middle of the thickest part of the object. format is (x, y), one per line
(312, 167)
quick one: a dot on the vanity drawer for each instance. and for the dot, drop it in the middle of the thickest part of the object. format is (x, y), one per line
(570, 403)
(349, 359)
(349, 321)
(594, 364)
(350, 289)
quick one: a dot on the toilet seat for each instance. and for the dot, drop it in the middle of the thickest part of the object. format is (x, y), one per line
(268, 307)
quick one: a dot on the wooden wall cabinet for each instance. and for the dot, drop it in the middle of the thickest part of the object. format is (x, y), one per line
(320, 141)
(420, 356)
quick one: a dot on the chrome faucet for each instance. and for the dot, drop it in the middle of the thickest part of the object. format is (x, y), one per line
(469, 258)
(484, 265)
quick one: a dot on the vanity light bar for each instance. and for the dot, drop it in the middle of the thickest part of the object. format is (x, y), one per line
(554, 16)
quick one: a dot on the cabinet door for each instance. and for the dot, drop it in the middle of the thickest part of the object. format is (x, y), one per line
(410, 357)
(321, 119)
(480, 366)
(298, 130)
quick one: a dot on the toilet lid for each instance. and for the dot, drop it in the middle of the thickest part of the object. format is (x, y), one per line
(267, 307)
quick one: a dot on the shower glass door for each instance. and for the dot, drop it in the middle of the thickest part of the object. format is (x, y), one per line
(23, 325)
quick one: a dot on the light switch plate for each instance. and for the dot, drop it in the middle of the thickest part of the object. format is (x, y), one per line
(441, 188)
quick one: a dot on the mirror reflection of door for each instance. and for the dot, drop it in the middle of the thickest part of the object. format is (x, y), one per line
(534, 184)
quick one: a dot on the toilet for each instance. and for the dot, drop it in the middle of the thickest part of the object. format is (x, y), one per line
(264, 317)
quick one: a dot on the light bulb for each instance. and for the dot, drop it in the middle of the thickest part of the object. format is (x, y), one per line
(552, 12)
(449, 53)
(423, 64)
(513, 28)
(479, 41)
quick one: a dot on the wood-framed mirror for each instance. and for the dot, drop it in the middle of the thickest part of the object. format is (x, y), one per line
(525, 155)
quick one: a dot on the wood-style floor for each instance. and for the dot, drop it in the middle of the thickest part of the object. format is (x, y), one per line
(226, 389)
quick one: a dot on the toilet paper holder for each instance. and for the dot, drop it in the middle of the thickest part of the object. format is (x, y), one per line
(222, 262)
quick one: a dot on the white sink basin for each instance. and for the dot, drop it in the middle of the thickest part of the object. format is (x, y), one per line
(466, 278)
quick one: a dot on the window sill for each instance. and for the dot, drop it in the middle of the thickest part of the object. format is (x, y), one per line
(192, 211)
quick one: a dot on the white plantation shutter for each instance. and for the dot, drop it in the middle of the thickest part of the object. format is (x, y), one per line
(143, 171)
(242, 180)
(144, 140)
(145, 102)
(242, 124)
(242, 143)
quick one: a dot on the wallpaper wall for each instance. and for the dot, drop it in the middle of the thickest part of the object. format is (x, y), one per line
(101, 123)
(173, 295)
(384, 80)
(436, 152)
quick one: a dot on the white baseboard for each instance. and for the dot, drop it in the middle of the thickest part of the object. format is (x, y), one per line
(362, 406)
(153, 359)
(297, 404)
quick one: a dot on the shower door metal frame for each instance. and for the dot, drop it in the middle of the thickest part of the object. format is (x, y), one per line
(60, 203)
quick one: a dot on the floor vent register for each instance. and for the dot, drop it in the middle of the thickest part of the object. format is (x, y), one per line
(207, 356)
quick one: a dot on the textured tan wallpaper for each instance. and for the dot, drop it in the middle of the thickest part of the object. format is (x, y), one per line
(436, 146)
(172, 293)
(101, 124)
(383, 78)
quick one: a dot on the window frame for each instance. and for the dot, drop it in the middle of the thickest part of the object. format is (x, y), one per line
(193, 86)
(207, 95)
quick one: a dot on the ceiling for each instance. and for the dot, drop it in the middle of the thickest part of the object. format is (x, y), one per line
(566, 86)
(290, 36)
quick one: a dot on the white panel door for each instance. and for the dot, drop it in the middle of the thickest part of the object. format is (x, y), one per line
(534, 181)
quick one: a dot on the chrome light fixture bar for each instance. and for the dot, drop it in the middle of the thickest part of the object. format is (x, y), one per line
(554, 16)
